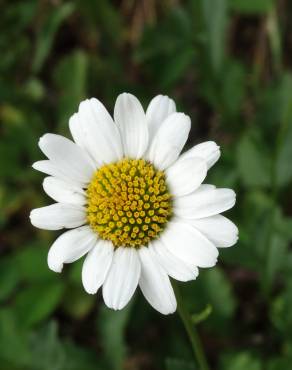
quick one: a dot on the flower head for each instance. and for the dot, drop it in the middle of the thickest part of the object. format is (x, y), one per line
(136, 208)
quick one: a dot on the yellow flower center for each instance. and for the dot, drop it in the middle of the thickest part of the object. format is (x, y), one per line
(128, 202)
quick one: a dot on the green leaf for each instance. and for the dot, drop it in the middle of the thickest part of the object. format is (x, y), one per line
(104, 17)
(241, 361)
(176, 68)
(34, 89)
(276, 257)
(177, 364)
(203, 315)
(71, 90)
(10, 277)
(82, 358)
(283, 164)
(169, 44)
(280, 311)
(233, 87)
(218, 290)
(77, 303)
(28, 258)
(215, 16)
(211, 288)
(251, 6)
(280, 363)
(253, 162)
(47, 350)
(46, 35)
(35, 303)
(284, 226)
(14, 347)
(112, 325)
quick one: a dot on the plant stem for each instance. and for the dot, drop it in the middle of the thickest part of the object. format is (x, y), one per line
(191, 330)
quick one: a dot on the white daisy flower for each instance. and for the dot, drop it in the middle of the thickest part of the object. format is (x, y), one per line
(136, 208)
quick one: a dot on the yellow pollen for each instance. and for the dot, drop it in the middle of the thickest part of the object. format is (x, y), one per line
(128, 202)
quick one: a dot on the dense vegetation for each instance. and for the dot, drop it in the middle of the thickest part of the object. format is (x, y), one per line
(227, 63)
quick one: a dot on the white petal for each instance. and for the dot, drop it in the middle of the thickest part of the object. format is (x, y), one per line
(186, 175)
(219, 229)
(79, 137)
(58, 216)
(70, 246)
(169, 140)
(96, 266)
(48, 167)
(188, 244)
(204, 203)
(64, 192)
(122, 278)
(68, 157)
(209, 151)
(173, 266)
(130, 117)
(99, 134)
(155, 283)
(158, 110)
(205, 187)
(77, 132)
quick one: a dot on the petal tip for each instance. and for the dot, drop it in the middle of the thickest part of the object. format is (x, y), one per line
(53, 265)
(58, 269)
(169, 310)
(90, 291)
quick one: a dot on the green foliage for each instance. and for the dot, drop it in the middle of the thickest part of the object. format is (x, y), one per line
(71, 91)
(10, 277)
(203, 315)
(160, 43)
(253, 163)
(47, 32)
(36, 303)
(241, 361)
(251, 6)
(112, 327)
(174, 364)
(215, 15)
(227, 64)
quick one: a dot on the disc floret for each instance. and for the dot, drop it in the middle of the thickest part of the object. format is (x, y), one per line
(128, 202)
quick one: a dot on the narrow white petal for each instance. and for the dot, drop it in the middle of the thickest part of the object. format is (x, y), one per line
(205, 187)
(169, 140)
(155, 284)
(96, 265)
(46, 166)
(70, 246)
(58, 216)
(122, 278)
(79, 136)
(209, 151)
(76, 130)
(219, 229)
(188, 244)
(204, 203)
(64, 192)
(186, 175)
(130, 117)
(68, 157)
(173, 266)
(98, 134)
(158, 110)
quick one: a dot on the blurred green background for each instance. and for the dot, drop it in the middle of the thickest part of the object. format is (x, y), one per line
(227, 63)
